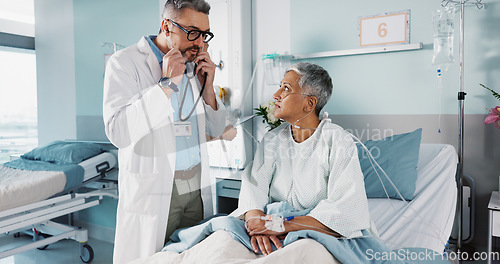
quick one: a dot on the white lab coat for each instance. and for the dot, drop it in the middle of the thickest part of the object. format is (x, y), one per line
(138, 118)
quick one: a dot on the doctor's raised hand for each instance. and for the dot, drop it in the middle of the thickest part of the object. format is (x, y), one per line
(206, 70)
(174, 65)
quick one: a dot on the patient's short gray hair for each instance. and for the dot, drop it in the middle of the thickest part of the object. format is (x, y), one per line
(173, 7)
(315, 81)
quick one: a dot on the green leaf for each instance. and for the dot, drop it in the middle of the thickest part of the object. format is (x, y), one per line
(495, 94)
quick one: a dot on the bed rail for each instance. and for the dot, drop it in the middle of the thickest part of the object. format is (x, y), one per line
(37, 217)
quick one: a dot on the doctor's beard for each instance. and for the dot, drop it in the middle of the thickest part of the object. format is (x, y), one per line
(191, 57)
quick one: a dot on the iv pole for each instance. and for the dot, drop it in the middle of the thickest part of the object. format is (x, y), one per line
(461, 99)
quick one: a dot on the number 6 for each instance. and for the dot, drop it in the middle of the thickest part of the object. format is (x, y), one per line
(382, 31)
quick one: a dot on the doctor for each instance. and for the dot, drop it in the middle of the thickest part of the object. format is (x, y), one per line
(149, 91)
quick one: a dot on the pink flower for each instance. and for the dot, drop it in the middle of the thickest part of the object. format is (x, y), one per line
(494, 117)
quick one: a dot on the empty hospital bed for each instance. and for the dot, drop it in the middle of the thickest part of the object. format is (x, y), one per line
(30, 199)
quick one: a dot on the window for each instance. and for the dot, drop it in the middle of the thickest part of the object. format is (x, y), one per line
(18, 100)
(18, 10)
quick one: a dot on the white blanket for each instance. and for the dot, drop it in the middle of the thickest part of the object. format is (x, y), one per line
(20, 187)
(220, 247)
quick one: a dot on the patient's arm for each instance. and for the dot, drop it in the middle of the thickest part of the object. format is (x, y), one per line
(257, 226)
(308, 223)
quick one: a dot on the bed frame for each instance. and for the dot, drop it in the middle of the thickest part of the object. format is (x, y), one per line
(35, 218)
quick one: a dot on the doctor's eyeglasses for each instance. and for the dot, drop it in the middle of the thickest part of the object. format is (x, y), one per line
(194, 34)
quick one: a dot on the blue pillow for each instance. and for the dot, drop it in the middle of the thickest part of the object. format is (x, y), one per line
(398, 156)
(63, 152)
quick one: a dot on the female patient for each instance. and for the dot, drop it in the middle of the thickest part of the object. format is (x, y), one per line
(308, 162)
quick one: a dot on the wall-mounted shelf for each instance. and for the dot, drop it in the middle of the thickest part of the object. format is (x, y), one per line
(361, 51)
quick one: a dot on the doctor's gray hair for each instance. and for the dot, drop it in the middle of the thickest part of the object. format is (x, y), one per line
(315, 81)
(174, 7)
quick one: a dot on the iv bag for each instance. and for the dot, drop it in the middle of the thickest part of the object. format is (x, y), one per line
(443, 35)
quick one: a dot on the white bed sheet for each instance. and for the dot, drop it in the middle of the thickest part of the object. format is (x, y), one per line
(220, 247)
(21, 187)
(428, 220)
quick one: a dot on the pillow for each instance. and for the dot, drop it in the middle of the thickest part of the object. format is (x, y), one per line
(63, 152)
(398, 156)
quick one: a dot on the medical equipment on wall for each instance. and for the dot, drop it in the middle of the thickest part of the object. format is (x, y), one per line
(237, 153)
(231, 53)
(115, 47)
(230, 154)
(274, 67)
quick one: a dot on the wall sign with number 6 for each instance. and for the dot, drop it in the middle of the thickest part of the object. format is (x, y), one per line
(382, 30)
(388, 28)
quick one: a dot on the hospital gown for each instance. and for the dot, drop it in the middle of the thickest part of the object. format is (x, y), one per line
(322, 173)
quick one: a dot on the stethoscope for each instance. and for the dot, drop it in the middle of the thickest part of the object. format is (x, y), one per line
(186, 86)
(185, 92)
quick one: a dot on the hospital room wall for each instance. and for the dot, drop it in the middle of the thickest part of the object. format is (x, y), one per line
(396, 92)
(95, 23)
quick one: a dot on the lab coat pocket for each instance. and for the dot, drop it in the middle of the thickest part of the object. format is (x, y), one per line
(157, 143)
(145, 193)
(153, 153)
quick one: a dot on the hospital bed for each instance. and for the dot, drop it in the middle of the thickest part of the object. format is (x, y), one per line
(424, 224)
(30, 200)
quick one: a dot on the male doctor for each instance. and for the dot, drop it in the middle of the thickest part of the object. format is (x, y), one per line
(149, 91)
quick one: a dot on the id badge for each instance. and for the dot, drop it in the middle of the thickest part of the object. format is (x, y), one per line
(182, 129)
